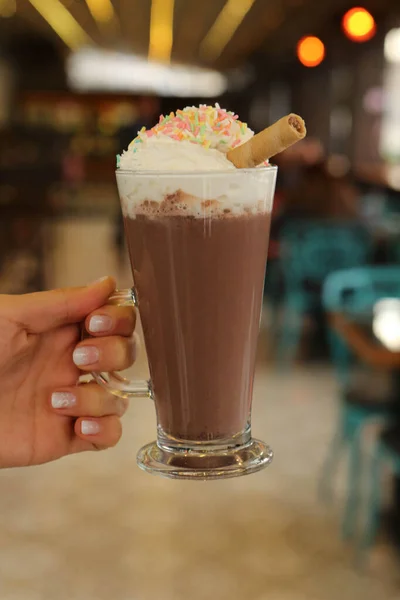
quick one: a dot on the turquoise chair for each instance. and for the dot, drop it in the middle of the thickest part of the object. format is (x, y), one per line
(310, 250)
(354, 291)
(387, 451)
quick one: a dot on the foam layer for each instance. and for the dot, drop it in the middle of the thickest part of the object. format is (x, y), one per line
(199, 195)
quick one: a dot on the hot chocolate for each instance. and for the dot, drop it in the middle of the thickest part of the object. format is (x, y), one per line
(199, 282)
(197, 230)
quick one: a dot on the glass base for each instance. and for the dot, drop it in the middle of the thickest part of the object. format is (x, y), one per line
(188, 463)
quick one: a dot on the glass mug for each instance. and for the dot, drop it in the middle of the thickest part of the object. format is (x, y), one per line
(198, 246)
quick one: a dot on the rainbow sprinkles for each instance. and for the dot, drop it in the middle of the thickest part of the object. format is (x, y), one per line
(208, 126)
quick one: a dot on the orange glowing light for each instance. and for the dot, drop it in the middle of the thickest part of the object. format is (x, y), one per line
(310, 51)
(359, 25)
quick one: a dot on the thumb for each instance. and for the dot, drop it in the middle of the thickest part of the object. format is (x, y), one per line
(42, 311)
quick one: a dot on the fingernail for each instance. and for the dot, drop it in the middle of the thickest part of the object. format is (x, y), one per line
(99, 280)
(90, 427)
(120, 407)
(100, 323)
(85, 355)
(63, 399)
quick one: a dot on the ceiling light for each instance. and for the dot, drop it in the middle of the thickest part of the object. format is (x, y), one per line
(63, 23)
(310, 51)
(224, 28)
(359, 25)
(392, 46)
(92, 69)
(161, 30)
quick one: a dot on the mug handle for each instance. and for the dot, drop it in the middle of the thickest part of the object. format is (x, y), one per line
(113, 382)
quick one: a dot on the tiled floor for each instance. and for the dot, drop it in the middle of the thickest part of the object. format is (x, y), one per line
(94, 527)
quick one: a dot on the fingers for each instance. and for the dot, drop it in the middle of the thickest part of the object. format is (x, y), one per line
(96, 434)
(87, 400)
(97, 413)
(114, 353)
(111, 320)
(42, 311)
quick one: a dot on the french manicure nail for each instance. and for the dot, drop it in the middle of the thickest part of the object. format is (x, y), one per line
(90, 427)
(99, 280)
(100, 323)
(85, 355)
(120, 407)
(63, 400)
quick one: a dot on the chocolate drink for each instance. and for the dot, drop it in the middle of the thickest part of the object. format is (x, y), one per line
(199, 282)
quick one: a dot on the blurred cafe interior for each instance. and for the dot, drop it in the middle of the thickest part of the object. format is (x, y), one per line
(78, 79)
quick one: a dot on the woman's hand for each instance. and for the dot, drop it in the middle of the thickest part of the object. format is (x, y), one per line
(44, 413)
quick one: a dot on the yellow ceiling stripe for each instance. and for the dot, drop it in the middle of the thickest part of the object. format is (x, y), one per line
(8, 8)
(161, 30)
(102, 10)
(224, 27)
(64, 24)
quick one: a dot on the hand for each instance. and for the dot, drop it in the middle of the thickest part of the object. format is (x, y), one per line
(44, 413)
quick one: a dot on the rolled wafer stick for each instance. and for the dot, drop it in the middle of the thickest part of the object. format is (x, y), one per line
(269, 142)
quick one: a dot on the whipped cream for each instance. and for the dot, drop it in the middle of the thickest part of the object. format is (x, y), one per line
(170, 163)
(192, 139)
(161, 153)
